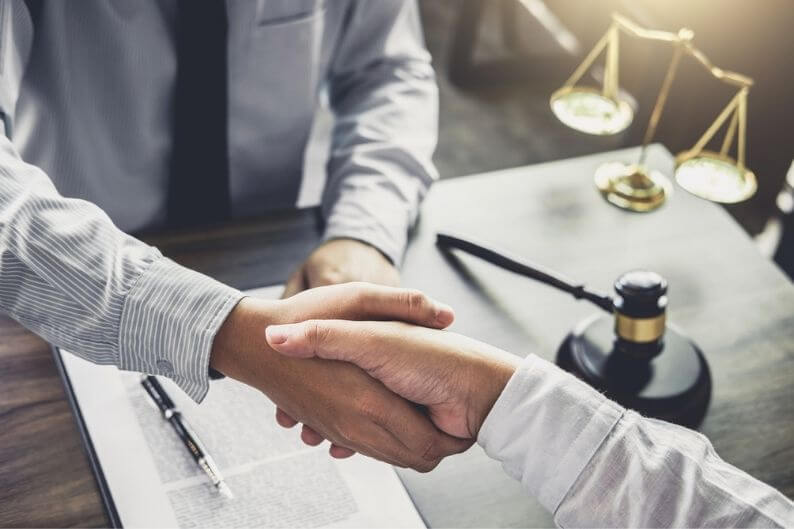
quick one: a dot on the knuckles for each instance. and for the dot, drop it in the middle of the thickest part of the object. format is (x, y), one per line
(348, 434)
(415, 300)
(431, 450)
(426, 465)
(369, 404)
(314, 334)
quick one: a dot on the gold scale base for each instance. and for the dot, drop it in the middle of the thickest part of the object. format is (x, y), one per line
(627, 186)
(631, 186)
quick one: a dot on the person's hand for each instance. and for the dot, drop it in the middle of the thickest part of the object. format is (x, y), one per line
(340, 261)
(456, 378)
(336, 401)
(334, 262)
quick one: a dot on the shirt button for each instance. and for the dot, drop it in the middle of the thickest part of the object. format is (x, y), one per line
(165, 367)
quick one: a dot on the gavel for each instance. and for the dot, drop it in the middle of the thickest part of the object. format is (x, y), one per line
(632, 354)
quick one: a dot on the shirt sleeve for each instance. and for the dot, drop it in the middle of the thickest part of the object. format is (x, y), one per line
(16, 37)
(594, 464)
(383, 93)
(68, 274)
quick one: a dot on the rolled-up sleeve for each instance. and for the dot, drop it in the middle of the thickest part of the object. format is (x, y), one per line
(68, 274)
(385, 100)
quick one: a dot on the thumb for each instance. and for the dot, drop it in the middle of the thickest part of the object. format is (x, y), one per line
(328, 339)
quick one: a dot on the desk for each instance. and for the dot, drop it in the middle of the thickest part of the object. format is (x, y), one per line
(738, 306)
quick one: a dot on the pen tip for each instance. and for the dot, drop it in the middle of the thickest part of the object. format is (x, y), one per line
(224, 489)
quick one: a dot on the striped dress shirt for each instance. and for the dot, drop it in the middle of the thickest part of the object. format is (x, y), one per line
(85, 141)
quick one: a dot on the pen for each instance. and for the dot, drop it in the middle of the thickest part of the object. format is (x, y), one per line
(185, 433)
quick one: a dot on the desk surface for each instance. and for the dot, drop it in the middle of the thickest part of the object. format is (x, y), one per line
(738, 306)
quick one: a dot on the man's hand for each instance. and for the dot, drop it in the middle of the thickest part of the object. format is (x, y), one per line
(456, 378)
(341, 261)
(336, 401)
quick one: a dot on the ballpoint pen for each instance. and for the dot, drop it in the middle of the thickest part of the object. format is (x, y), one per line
(185, 433)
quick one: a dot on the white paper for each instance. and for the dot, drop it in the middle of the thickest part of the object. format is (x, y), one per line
(277, 481)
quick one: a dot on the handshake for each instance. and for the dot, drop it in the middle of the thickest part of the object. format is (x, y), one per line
(368, 368)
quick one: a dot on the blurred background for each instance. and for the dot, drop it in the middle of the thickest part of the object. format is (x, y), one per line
(498, 61)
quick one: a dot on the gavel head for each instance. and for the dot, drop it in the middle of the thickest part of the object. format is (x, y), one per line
(638, 359)
(640, 314)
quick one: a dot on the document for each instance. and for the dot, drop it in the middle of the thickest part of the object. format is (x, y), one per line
(277, 481)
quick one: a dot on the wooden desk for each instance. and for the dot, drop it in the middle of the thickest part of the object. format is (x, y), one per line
(738, 306)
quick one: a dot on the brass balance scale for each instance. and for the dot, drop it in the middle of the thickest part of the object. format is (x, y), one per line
(712, 175)
(632, 353)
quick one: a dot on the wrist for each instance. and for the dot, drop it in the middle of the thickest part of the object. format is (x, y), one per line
(241, 337)
(494, 376)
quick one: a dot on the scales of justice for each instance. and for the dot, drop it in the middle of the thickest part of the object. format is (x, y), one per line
(628, 350)
(712, 175)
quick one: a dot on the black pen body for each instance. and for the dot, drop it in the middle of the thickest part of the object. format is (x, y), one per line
(188, 437)
(184, 432)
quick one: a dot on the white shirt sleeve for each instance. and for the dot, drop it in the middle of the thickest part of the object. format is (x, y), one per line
(383, 93)
(593, 463)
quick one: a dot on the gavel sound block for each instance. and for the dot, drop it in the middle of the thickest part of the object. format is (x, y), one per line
(632, 354)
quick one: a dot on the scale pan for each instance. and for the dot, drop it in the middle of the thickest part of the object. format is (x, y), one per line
(588, 111)
(715, 177)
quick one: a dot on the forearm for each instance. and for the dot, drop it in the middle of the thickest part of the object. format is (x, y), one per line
(678, 476)
(385, 101)
(71, 276)
(592, 463)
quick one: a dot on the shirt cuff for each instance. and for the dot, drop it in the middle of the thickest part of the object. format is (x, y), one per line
(545, 428)
(168, 323)
(377, 219)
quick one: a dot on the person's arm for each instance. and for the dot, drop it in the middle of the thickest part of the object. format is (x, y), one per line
(384, 97)
(585, 458)
(593, 463)
(68, 274)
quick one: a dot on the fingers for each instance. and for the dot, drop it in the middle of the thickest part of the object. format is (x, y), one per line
(332, 340)
(310, 437)
(372, 440)
(403, 435)
(359, 435)
(385, 427)
(376, 302)
(329, 339)
(391, 448)
(285, 420)
(340, 452)
(367, 301)
(428, 449)
(415, 431)
(296, 283)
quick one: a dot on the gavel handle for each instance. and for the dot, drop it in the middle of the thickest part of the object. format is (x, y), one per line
(524, 268)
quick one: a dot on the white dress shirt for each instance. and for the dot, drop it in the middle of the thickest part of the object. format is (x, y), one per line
(85, 141)
(593, 463)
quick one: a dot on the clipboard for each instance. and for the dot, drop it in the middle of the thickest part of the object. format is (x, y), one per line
(113, 420)
(88, 446)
